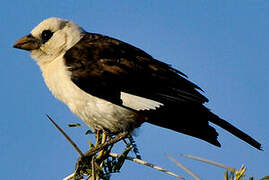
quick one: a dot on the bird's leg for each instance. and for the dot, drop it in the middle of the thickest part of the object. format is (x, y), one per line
(112, 141)
(104, 137)
(97, 137)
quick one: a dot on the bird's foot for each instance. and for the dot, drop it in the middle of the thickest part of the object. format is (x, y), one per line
(103, 140)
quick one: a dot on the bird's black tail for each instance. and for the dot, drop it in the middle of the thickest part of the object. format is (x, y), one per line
(193, 120)
(235, 131)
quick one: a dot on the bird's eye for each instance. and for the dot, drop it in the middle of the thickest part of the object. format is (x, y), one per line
(46, 35)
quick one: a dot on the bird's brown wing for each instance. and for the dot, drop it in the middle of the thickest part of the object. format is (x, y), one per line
(104, 67)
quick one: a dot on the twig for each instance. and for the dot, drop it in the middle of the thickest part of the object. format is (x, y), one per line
(71, 176)
(139, 161)
(66, 136)
(209, 162)
(183, 167)
(240, 173)
(95, 150)
(93, 177)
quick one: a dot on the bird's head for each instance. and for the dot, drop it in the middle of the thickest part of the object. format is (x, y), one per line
(50, 39)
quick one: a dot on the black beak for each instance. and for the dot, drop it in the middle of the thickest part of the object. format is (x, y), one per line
(28, 43)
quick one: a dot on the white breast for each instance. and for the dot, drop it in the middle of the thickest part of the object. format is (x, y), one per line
(96, 112)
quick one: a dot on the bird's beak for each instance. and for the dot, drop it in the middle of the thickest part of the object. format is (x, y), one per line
(27, 43)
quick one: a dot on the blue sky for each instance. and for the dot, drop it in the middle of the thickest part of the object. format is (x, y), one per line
(221, 45)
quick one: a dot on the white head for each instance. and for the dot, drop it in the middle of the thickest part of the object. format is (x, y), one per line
(50, 39)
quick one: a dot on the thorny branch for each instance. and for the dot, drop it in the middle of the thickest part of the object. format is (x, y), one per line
(93, 166)
(90, 158)
(107, 143)
(66, 136)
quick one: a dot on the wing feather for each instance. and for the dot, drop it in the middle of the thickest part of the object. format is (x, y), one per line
(105, 67)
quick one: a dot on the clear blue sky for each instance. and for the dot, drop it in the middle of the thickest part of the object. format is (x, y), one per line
(221, 45)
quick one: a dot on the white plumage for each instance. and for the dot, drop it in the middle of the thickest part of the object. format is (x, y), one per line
(96, 112)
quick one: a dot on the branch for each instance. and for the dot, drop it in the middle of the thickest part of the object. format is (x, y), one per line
(210, 162)
(139, 161)
(66, 136)
(95, 150)
(183, 167)
(71, 176)
(114, 140)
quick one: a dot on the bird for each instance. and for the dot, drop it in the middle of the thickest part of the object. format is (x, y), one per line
(115, 87)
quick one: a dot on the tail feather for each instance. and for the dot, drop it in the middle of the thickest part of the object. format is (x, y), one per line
(200, 130)
(235, 131)
(193, 120)
(190, 121)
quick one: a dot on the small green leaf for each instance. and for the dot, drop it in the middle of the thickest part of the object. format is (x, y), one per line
(74, 125)
(89, 171)
(122, 158)
(88, 132)
(91, 145)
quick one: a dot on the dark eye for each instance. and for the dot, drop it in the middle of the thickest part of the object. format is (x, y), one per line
(46, 35)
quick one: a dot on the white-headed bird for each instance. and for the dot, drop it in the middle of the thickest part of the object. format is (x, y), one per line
(115, 87)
